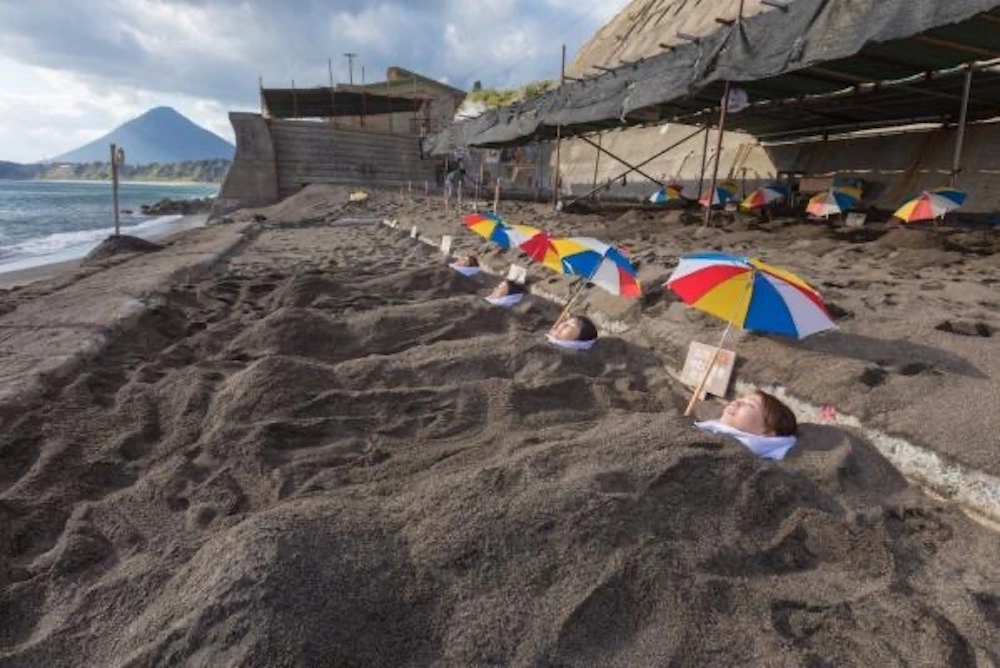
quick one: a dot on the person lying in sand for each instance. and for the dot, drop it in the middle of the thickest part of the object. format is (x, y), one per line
(466, 261)
(759, 421)
(506, 293)
(577, 332)
(467, 265)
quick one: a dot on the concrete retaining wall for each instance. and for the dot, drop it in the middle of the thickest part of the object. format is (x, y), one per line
(275, 158)
(311, 152)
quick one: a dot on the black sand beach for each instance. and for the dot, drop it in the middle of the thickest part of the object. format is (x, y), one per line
(328, 450)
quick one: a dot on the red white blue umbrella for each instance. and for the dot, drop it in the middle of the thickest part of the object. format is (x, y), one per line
(666, 194)
(931, 205)
(750, 294)
(764, 196)
(724, 192)
(599, 263)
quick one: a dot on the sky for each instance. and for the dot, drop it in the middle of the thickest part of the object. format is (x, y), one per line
(72, 70)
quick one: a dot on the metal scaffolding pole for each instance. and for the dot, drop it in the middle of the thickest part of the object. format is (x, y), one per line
(718, 154)
(956, 164)
(704, 159)
(555, 178)
(632, 169)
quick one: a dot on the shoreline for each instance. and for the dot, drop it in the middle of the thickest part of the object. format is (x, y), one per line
(132, 183)
(60, 268)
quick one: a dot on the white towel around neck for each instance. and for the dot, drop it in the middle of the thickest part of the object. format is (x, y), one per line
(506, 301)
(768, 447)
(465, 271)
(571, 344)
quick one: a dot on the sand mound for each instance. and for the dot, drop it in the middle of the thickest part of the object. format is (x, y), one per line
(305, 467)
(121, 244)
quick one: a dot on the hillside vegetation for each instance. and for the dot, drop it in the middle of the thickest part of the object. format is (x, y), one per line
(201, 171)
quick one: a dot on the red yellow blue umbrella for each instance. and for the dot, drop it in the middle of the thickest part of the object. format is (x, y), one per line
(931, 205)
(749, 294)
(599, 263)
(764, 196)
(833, 201)
(724, 192)
(540, 248)
(666, 194)
(491, 227)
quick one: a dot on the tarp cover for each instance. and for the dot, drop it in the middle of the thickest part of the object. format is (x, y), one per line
(808, 33)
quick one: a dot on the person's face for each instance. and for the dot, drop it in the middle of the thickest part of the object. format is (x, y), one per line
(567, 330)
(499, 291)
(463, 262)
(746, 414)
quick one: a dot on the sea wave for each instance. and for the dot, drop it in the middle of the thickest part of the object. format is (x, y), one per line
(66, 245)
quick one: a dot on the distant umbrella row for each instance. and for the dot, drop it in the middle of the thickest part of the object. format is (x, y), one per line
(929, 205)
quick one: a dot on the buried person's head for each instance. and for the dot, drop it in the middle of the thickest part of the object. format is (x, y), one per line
(506, 288)
(467, 261)
(760, 413)
(575, 328)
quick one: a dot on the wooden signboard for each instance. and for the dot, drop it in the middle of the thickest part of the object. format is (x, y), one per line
(698, 358)
(517, 273)
(446, 244)
(855, 220)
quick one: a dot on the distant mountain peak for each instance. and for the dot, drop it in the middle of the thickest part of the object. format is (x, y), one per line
(161, 134)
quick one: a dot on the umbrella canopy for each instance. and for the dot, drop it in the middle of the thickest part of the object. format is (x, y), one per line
(599, 263)
(931, 205)
(750, 294)
(833, 201)
(539, 247)
(724, 192)
(491, 227)
(666, 193)
(764, 196)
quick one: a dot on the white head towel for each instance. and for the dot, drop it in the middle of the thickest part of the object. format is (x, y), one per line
(768, 447)
(572, 345)
(507, 300)
(465, 271)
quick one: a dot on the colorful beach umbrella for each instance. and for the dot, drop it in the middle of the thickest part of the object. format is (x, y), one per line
(599, 263)
(724, 192)
(491, 227)
(833, 201)
(750, 294)
(931, 205)
(666, 194)
(540, 248)
(764, 196)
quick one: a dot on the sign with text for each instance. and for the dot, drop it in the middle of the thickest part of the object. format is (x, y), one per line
(446, 244)
(517, 273)
(698, 358)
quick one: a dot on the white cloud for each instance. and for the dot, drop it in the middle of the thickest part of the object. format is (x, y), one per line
(70, 70)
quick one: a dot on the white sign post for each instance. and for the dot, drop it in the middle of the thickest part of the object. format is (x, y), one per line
(446, 245)
(517, 273)
(414, 232)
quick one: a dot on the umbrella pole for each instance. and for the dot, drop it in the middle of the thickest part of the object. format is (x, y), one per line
(708, 372)
(718, 350)
(956, 165)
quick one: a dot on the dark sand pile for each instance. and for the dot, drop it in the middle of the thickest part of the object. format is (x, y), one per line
(118, 245)
(308, 459)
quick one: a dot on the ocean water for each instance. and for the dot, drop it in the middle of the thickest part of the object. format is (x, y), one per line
(52, 221)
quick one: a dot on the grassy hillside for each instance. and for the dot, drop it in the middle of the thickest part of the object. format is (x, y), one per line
(203, 171)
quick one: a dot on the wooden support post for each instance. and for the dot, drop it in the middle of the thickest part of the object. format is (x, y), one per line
(117, 157)
(718, 154)
(597, 162)
(704, 159)
(496, 197)
(557, 176)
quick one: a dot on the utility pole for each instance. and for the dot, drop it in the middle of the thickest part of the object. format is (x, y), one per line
(350, 66)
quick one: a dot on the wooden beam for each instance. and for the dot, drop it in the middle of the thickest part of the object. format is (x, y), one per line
(955, 46)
